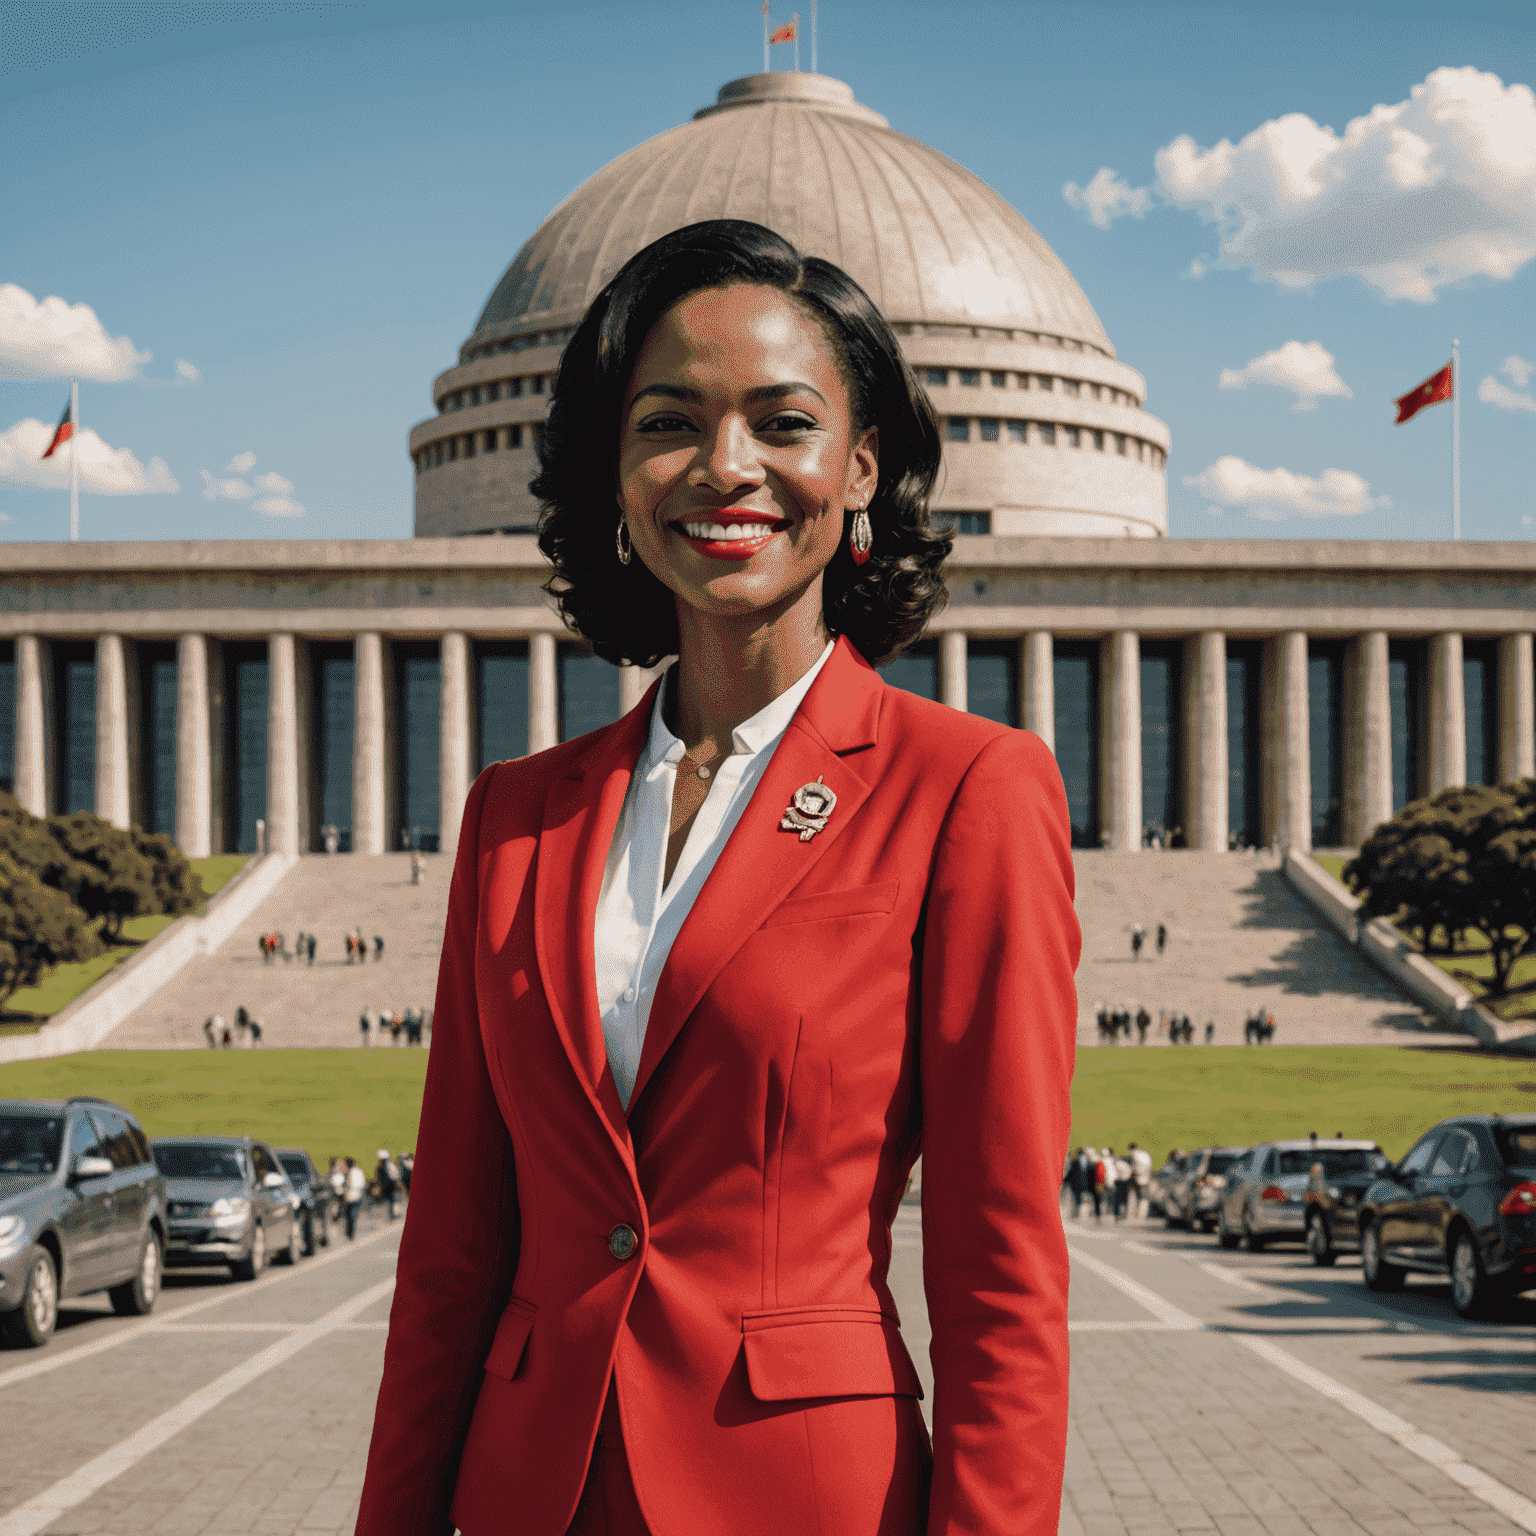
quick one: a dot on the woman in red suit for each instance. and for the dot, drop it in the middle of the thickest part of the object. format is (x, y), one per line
(715, 975)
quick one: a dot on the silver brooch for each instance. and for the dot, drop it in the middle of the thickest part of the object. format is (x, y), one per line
(808, 811)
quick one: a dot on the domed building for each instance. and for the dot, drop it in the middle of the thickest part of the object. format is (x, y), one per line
(1044, 428)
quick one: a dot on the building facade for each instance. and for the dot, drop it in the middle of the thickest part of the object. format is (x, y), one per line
(1208, 693)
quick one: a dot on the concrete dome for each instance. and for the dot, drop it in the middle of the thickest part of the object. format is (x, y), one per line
(928, 241)
(1043, 427)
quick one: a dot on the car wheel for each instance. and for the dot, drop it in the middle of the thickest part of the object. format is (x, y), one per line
(1251, 1239)
(1207, 1227)
(31, 1325)
(1379, 1275)
(1226, 1238)
(1172, 1220)
(136, 1297)
(1320, 1242)
(325, 1231)
(290, 1254)
(256, 1260)
(310, 1241)
(1470, 1291)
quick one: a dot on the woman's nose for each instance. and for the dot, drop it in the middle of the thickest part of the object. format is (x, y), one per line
(727, 457)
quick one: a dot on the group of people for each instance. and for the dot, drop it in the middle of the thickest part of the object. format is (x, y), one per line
(351, 1186)
(217, 1033)
(1259, 1028)
(404, 1026)
(1119, 1186)
(274, 946)
(357, 948)
(1139, 939)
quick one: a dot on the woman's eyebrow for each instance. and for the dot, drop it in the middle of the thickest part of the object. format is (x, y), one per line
(762, 392)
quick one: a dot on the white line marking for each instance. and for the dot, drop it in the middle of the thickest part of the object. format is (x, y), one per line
(174, 1328)
(1141, 1248)
(364, 1328)
(1164, 1311)
(51, 1361)
(1089, 1326)
(1233, 1278)
(1078, 1230)
(1513, 1506)
(42, 1510)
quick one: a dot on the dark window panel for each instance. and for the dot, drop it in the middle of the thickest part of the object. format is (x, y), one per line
(1161, 732)
(916, 670)
(418, 690)
(938, 375)
(992, 680)
(1405, 690)
(334, 669)
(7, 714)
(246, 746)
(157, 736)
(589, 692)
(1480, 685)
(1325, 705)
(1075, 673)
(990, 429)
(501, 696)
(957, 429)
(1244, 659)
(970, 377)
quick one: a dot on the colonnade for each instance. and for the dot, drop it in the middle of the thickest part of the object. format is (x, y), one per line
(1285, 757)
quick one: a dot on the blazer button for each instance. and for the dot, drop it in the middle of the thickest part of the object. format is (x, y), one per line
(622, 1242)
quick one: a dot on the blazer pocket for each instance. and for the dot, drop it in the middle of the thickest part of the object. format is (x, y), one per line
(510, 1346)
(856, 901)
(826, 1352)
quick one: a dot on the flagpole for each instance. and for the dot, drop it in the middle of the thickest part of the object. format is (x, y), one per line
(797, 42)
(765, 37)
(1455, 440)
(813, 36)
(74, 461)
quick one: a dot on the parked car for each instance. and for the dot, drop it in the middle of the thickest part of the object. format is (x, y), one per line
(315, 1195)
(1336, 1185)
(1461, 1203)
(1269, 1195)
(229, 1203)
(82, 1209)
(1194, 1196)
(1156, 1195)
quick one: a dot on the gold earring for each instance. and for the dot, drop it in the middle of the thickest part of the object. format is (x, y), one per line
(622, 541)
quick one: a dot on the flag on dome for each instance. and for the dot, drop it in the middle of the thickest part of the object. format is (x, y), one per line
(788, 33)
(62, 433)
(1437, 387)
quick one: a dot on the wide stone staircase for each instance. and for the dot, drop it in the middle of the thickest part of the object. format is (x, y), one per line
(299, 1003)
(1239, 939)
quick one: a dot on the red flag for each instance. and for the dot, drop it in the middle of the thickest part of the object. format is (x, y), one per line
(62, 433)
(1432, 391)
(787, 33)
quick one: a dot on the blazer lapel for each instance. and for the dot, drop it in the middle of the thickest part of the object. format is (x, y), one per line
(581, 812)
(762, 863)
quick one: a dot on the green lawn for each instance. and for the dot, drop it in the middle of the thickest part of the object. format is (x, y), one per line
(32, 1006)
(1333, 862)
(333, 1103)
(1201, 1096)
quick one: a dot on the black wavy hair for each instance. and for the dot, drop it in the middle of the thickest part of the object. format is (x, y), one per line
(624, 612)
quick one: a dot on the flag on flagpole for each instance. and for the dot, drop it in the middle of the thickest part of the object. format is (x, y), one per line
(788, 33)
(1437, 387)
(63, 432)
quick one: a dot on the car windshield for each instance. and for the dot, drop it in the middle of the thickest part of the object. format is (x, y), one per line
(194, 1160)
(1221, 1162)
(1517, 1145)
(30, 1143)
(1338, 1162)
(298, 1169)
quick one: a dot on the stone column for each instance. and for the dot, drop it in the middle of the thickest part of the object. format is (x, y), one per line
(282, 746)
(1205, 741)
(543, 693)
(952, 679)
(34, 725)
(634, 681)
(1517, 709)
(1447, 714)
(1290, 759)
(194, 750)
(453, 765)
(111, 731)
(369, 834)
(1120, 740)
(1367, 738)
(1037, 669)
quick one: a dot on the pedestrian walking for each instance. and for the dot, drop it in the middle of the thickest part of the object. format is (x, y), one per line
(407, 1168)
(1138, 938)
(378, 949)
(1123, 1187)
(396, 1027)
(363, 1022)
(1143, 1024)
(1141, 1180)
(415, 869)
(265, 947)
(1106, 1184)
(255, 1032)
(1079, 1180)
(309, 948)
(1162, 938)
(242, 1023)
(387, 1177)
(1210, 1030)
(228, 1038)
(208, 1033)
(356, 1185)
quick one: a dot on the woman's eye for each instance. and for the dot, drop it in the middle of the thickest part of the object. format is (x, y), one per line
(665, 423)
(787, 421)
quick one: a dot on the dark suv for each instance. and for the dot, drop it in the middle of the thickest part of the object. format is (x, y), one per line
(1461, 1203)
(82, 1208)
(229, 1203)
(315, 1196)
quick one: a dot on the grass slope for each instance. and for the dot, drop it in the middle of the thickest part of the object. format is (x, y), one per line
(333, 1103)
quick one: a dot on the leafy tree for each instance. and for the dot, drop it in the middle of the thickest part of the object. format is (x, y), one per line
(26, 839)
(1463, 860)
(178, 887)
(113, 879)
(40, 927)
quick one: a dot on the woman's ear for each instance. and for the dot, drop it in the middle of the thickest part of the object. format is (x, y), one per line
(863, 469)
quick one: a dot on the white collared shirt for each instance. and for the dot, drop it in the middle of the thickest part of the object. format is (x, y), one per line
(638, 919)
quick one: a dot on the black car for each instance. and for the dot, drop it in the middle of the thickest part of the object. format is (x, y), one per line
(316, 1196)
(1461, 1203)
(82, 1209)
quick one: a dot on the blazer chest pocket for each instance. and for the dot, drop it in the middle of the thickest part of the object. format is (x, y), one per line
(855, 901)
(510, 1346)
(826, 1352)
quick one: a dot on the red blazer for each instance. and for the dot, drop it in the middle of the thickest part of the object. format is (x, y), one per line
(900, 982)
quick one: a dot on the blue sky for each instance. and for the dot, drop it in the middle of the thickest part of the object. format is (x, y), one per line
(309, 206)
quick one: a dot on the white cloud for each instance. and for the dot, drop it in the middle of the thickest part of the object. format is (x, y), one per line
(104, 471)
(53, 339)
(1303, 367)
(188, 373)
(273, 483)
(226, 490)
(241, 464)
(1412, 196)
(280, 506)
(1107, 197)
(1491, 392)
(1274, 494)
(269, 494)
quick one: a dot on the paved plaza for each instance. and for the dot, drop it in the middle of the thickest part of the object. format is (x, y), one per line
(1230, 1394)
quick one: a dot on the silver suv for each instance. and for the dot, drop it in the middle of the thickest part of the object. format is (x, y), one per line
(230, 1203)
(82, 1209)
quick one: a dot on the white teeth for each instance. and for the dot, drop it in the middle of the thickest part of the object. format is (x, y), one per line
(728, 533)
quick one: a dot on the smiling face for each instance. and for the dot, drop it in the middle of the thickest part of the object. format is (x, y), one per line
(738, 456)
